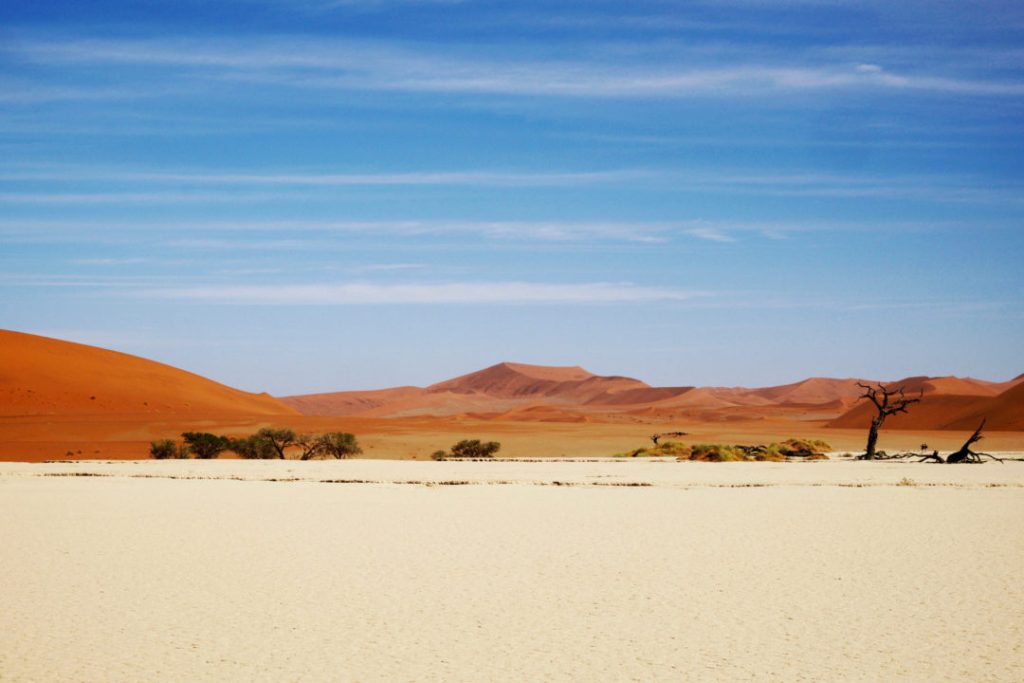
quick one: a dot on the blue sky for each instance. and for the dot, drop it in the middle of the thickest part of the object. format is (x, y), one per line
(319, 195)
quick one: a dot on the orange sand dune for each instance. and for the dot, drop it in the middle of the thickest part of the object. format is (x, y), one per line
(813, 391)
(937, 410)
(43, 376)
(350, 402)
(1005, 411)
(59, 399)
(498, 389)
(950, 386)
(531, 393)
(517, 380)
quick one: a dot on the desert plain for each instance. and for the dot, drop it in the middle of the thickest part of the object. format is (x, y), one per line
(628, 569)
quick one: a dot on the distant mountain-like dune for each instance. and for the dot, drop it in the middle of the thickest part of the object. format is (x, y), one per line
(535, 393)
(502, 389)
(44, 376)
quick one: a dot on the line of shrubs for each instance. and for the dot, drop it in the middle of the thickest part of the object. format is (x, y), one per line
(266, 444)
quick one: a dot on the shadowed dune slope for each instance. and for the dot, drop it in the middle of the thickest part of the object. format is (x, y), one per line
(939, 410)
(44, 376)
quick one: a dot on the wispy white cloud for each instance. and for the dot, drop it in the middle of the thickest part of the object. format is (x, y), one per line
(155, 197)
(381, 66)
(241, 235)
(243, 244)
(710, 234)
(473, 177)
(388, 267)
(186, 186)
(445, 293)
(109, 261)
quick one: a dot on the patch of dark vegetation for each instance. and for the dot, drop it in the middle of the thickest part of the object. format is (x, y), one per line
(266, 444)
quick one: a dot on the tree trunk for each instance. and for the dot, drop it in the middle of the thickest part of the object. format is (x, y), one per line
(869, 451)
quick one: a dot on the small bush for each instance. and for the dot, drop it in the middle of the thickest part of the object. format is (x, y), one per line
(205, 445)
(162, 449)
(716, 452)
(253, 447)
(804, 448)
(469, 448)
(474, 448)
(167, 449)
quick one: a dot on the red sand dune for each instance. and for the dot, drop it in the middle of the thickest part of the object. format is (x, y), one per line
(496, 390)
(43, 376)
(531, 393)
(513, 390)
(941, 410)
(1005, 411)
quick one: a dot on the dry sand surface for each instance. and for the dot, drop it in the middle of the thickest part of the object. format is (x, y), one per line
(210, 571)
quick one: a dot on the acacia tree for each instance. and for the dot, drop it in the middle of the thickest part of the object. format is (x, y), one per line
(475, 449)
(253, 448)
(279, 439)
(887, 402)
(338, 445)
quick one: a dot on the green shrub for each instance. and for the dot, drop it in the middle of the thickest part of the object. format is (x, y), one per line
(254, 447)
(206, 445)
(332, 444)
(164, 449)
(469, 448)
(279, 439)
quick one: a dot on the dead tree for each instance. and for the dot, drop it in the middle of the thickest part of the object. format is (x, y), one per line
(965, 454)
(887, 402)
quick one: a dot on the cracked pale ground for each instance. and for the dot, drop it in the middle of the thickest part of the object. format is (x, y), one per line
(823, 571)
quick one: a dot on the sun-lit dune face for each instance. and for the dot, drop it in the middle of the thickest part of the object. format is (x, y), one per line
(43, 376)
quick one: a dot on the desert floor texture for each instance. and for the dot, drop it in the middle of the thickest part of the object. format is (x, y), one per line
(369, 570)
